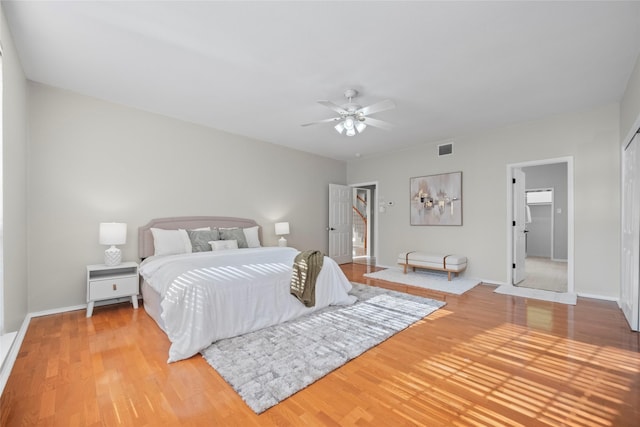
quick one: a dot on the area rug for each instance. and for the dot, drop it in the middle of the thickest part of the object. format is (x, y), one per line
(269, 365)
(539, 294)
(426, 279)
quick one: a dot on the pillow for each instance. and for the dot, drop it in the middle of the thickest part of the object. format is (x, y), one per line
(200, 239)
(220, 245)
(234, 233)
(170, 242)
(251, 234)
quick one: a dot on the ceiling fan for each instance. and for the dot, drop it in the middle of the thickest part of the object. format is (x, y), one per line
(353, 118)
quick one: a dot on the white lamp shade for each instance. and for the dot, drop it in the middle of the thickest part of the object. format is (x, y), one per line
(113, 233)
(282, 228)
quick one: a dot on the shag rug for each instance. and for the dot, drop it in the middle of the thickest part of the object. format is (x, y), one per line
(269, 365)
(436, 281)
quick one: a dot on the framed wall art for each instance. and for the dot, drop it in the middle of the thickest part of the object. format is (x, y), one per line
(436, 199)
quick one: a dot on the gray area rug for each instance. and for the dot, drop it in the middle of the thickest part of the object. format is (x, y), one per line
(269, 365)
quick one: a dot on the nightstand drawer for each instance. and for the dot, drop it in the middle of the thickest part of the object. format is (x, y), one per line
(113, 288)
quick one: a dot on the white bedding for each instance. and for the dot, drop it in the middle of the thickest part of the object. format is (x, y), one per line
(208, 296)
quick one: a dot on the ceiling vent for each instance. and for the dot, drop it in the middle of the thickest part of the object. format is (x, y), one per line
(445, 149)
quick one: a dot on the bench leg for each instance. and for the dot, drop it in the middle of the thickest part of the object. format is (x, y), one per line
(405, 269)
(449, 275)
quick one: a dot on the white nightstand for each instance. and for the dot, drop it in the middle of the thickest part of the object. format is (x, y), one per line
(108, 282)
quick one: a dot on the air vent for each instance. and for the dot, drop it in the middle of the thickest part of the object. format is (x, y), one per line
(445, 149)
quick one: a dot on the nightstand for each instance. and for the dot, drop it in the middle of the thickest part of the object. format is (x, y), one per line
(109, 282)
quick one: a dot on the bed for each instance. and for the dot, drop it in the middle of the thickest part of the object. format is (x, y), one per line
(199, 296)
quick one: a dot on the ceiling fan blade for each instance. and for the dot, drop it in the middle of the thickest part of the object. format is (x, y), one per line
(335, 107)
(333, 119)
(378, 123)
(387, 104)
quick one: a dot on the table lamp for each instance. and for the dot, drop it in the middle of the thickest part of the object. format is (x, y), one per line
(282, 229)
(113, 233)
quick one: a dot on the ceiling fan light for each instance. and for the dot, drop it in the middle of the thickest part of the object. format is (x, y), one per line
(351, 132)
(348, 123)
(360, 127)
(339, 128)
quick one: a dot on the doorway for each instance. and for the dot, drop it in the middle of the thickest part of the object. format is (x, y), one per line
(545, 261)
(364, 223)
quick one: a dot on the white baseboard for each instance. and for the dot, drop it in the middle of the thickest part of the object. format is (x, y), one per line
(57, 310)
(493, 282)
(600, 297)
(79, 307)
(6, 341)
(7, 366)
(386, 266)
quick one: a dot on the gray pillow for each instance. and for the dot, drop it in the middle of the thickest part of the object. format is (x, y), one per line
(200, 239)
(234, 234)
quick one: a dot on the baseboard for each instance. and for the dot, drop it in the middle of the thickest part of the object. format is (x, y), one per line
(600, 297)
(7, 366)
(387, 266)
(80, 307)
(57, 310)
(493, 282)
(6, 342)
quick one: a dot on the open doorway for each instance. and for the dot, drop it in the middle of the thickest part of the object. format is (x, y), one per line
(363, 223)
(542, 218)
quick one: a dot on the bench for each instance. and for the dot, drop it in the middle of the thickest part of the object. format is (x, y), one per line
(449, 263)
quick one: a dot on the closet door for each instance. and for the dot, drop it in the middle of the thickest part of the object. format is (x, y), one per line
(630, 283)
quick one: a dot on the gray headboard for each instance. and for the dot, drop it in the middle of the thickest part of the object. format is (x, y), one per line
(145, 238)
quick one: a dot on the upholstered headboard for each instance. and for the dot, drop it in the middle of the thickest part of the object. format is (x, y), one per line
(145, 238)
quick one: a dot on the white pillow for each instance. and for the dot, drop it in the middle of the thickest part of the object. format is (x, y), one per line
(251, 234)
(170, 242)
(220, 245)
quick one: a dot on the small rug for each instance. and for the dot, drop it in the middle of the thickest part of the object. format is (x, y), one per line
(269, 365)
(426, 279)
(562, 298)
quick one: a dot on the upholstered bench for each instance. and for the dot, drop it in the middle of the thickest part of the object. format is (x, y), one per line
(449, 263)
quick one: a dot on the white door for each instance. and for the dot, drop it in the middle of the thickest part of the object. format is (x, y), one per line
(340, 206)
(519, 242)
(630, 280)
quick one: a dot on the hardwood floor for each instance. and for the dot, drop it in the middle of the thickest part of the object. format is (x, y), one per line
(484, 359)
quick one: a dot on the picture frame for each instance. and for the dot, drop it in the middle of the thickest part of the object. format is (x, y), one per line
(436, 199)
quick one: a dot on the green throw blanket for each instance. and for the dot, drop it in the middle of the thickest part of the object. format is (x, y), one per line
(306, 268)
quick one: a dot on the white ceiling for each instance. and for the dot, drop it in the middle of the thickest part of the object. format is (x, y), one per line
(258, 68)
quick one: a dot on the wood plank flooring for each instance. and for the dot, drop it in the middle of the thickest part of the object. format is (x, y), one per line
(482, 360)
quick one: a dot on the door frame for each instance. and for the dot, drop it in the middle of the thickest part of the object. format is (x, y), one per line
(552, 221)
(634, 298)
(570, 216)
(375, 205)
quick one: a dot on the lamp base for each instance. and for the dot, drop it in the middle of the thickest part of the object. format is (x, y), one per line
(282, 242)
(112, 256)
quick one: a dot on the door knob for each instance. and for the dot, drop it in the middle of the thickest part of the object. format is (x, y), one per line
(332, 229)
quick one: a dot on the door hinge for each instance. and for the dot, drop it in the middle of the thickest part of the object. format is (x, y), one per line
(514, 223)
(514, 265)
(514, 180)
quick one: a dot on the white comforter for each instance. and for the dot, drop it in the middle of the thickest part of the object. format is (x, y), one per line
(208, 296)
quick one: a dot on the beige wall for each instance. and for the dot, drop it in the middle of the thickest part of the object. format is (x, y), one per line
(630, 105)
(590, 137)
(93, 161)
(14, 178)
